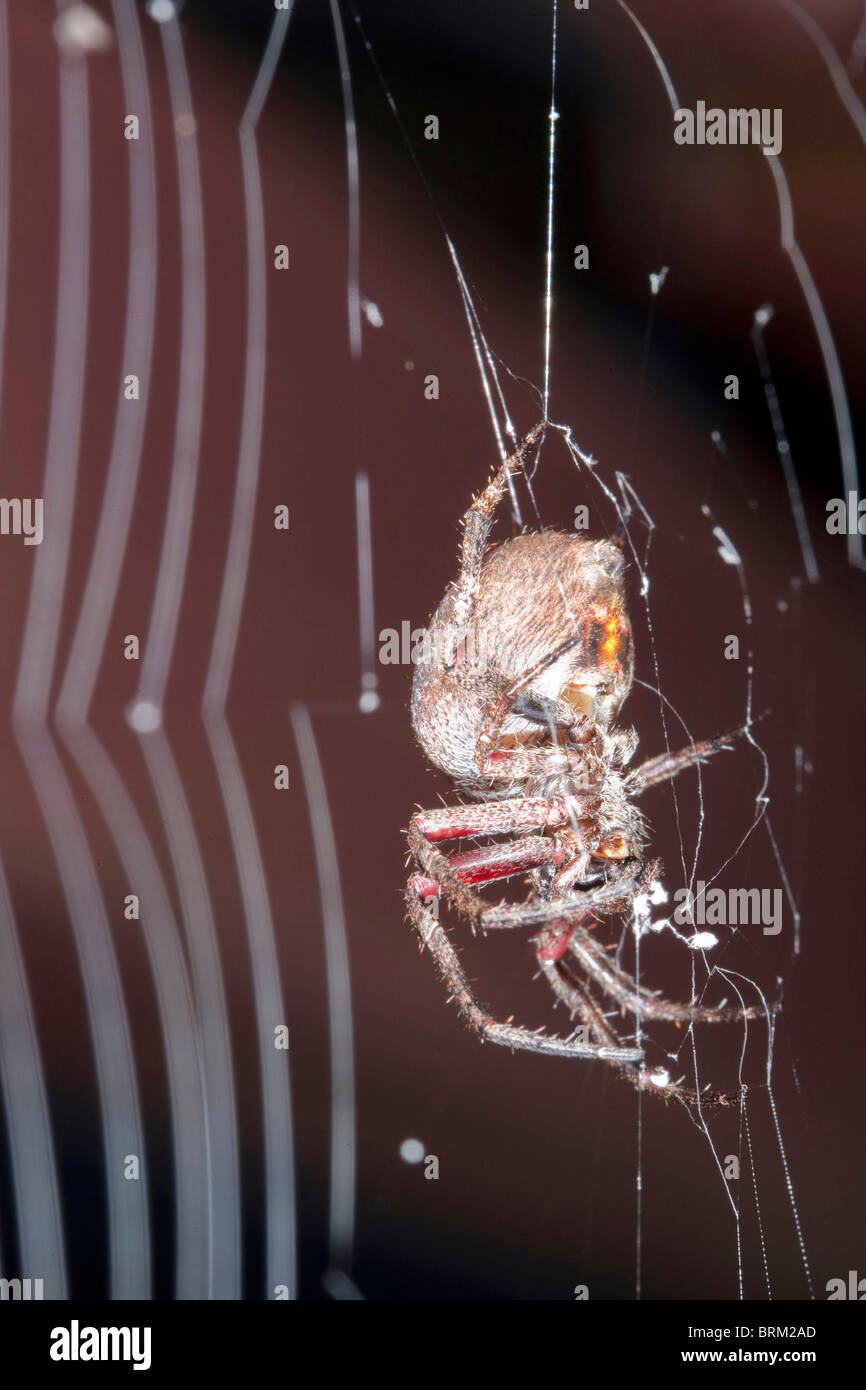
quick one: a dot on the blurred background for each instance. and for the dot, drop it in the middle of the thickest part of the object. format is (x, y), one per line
(150, 1038)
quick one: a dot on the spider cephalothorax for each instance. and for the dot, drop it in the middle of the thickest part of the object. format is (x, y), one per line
(528, 662)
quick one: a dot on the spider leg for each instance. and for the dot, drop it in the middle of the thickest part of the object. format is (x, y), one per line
(433, 936)
(515, 765)
(641, 1002)
(668, 765)
(581, 1005)
(578, 725)
(477, 522)
(614, 895)
(492, 817)
(577, 1001)
(454, 873)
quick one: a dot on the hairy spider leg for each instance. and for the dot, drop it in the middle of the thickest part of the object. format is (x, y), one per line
(669, 765)
(455, 873)
(453, 876)
(641, 1002)
(581, 1005)
(477, 521)
(614, 894)
(492, 817)
(571, 719)
(504, 860)
(434, 937)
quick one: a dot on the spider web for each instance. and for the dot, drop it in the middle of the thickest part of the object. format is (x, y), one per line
(630, 518)
(165, 858)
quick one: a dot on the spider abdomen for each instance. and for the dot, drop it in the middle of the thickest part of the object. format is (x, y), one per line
(536, 594)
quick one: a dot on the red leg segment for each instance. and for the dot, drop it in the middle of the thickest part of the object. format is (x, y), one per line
(490, 818)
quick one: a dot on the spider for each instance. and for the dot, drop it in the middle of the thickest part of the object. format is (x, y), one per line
(528, 661)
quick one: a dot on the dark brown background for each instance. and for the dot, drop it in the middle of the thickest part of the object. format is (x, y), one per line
(537, 1157)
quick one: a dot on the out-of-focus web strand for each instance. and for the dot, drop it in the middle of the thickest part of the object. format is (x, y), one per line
(815, 305)
(337, 1278)
(222, 1173)
(762, 317)
(833, 63)
(128, 1220)
(159, 930)
(857, 56)
(280, 1203)
(369, 698)
(827, 344)
(844, 431)
(479, 342)
(38, 1214)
